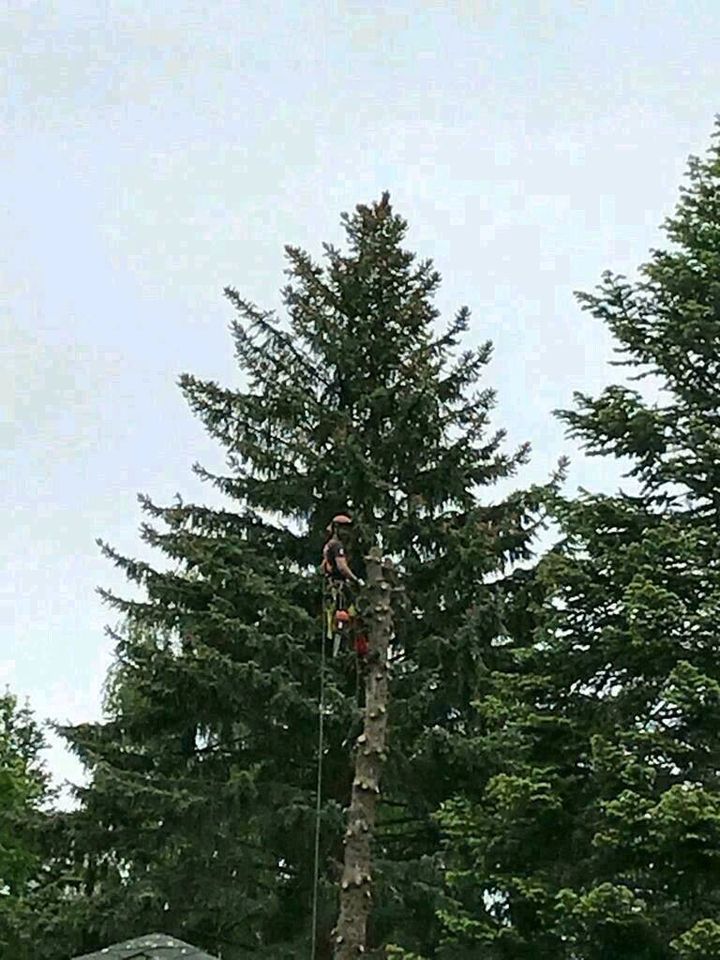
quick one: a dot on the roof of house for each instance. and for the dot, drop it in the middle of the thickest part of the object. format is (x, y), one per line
(153, 946)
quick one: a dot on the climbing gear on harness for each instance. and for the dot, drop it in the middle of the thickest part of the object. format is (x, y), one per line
(342, 619)
(342, 623)
(362, 646)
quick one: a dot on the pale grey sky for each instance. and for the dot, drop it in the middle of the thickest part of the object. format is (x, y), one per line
(152, 153)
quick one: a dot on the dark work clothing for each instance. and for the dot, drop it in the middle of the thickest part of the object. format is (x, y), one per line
(331, 551)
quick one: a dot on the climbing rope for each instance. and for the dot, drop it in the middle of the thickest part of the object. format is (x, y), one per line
(318, 802)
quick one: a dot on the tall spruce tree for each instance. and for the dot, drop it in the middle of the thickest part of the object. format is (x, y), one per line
(199, 815)
(599, 835)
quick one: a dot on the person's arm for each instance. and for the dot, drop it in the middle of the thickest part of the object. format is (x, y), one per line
(345, 570)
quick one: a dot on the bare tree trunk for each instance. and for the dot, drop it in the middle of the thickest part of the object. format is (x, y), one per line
(355, 886)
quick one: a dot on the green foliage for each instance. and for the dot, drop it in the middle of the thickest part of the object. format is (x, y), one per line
(393, 952)
(23, 787)
(598, 835)
(24, 793)
(199, 816)
(701, 942)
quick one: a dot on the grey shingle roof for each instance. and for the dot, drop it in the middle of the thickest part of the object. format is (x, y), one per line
(153, 946)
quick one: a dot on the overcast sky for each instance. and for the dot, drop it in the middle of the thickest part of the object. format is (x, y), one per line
(152, 153)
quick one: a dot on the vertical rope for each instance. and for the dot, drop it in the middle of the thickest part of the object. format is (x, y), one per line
(318, 802)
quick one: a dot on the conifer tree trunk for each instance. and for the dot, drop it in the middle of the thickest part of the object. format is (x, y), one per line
(355, 885)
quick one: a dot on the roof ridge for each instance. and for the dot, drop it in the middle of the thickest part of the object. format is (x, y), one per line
(149, 946)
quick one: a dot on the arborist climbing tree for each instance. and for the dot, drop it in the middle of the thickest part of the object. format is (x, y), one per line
(342, 616)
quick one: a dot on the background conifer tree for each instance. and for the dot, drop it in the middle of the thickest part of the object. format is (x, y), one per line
(199, 815)
(24, 797)
(599, 835)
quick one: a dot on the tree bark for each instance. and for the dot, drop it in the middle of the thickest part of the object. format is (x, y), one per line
(349, 937)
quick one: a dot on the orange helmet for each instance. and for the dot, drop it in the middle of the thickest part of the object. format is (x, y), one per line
(339, 520)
